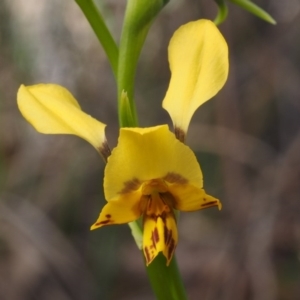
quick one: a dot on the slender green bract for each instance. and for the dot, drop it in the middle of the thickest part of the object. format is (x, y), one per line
(139, 16)
(97, 23)
(254, 9)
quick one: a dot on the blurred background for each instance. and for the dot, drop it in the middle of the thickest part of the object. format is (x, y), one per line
(247, 140)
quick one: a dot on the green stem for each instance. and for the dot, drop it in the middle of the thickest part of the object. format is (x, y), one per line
(103, 34)
(165, 280)
(222, 12)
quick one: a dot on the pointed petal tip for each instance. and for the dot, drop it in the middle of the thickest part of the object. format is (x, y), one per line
(148, 262)
(94, 226)
(169, 259)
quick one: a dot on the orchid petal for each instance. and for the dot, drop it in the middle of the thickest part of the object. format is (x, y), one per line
(52, 109)
(190, 198)
(122, 210)
(198, 57)
(144, 154)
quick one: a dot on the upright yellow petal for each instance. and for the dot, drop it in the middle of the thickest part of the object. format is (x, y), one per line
(144, 154)
(198, 57)
(52, 109)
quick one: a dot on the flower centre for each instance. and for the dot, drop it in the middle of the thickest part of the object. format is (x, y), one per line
(154, 203)
(160, 232)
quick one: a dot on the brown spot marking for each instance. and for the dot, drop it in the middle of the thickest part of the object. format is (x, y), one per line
(167, 235)
(150, 202)
(131, 185)
(105, 222)
(180, 134)
(208, 204)
(104, 150)
(108, 216)
(171, 248)
(169, 241)
(155, 237)
(147, 253)
(172, 177)
(168, 199)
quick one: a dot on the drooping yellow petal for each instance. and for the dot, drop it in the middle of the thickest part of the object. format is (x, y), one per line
(160, 235)
(144, 154)
(198, 57)
(52, 109)
(122, 210)
(187, 197)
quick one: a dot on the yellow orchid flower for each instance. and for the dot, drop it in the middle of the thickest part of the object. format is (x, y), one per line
(150, 173)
